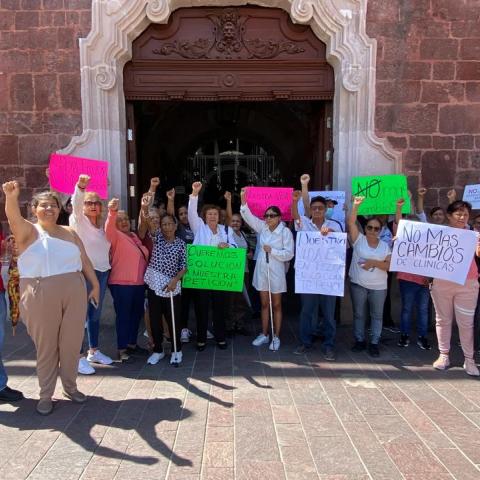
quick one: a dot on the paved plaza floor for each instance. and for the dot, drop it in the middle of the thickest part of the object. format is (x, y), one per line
(248, 413)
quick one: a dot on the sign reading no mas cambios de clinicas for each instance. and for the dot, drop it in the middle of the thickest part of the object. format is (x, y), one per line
(433, 251)
(213, 268)
(381, 193)
(320, 263)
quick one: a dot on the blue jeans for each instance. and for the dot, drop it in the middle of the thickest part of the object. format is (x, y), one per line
(129, 301)
(309, 318)
(375, 299)
(414, 294)
(94, 314)
(3, 320)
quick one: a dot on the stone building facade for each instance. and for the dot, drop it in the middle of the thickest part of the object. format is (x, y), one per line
(426, 81)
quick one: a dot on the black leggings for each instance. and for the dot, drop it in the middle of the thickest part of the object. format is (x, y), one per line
(218, 301)
(157, 307)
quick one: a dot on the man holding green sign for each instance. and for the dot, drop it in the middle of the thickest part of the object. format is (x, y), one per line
(381, 193)
(212, 268)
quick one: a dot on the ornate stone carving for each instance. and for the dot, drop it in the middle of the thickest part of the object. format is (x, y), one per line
(353, 77)
(113, 6)
(302, 10)
(228, 41)
(357, 149)
(105, 76)
(158, 11)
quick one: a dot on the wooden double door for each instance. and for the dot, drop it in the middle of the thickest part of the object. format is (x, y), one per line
(228, 96)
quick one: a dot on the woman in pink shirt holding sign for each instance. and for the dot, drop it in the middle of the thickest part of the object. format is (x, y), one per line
(453, 300)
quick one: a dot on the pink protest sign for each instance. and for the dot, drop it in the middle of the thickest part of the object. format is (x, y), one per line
(64, 171)
(260, 198)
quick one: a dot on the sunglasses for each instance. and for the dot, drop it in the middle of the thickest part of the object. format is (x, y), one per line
(371, 228)
(89, 203)
(270, 215)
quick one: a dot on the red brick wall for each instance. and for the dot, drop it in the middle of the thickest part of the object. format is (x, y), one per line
(428, 88)
(40, 106)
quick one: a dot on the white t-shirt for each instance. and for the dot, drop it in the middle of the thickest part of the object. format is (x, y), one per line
(94, 240)
(375, 279)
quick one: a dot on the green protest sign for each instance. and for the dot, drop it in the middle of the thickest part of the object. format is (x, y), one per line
(213, 268)
(381, 193)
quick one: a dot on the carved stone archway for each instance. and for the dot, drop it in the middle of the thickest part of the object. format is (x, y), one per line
(340, 24)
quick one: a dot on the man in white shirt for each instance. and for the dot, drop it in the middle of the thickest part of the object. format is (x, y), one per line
(312, 302)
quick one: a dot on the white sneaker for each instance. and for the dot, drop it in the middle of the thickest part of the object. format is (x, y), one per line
(275, 344)
(470, 367)
(155, 357)
(260, 340)
(210, 335)
(98, 357)
(145, 334)
(84, 367)
(176, 358)
(185, 335)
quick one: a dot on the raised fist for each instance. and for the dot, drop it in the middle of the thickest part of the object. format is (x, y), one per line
(113, 204)
(421, 191)
(305, 179)
(228, 196)
(358, 200)
(154, 183)
(11, 189)
(146, 200)
(400, 202)
(196, 187)
(83, 181)
(171, 194)
(243, 193)
(297, 195)
(452, 195)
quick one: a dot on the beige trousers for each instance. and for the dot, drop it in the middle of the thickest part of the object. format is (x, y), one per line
(54, 310)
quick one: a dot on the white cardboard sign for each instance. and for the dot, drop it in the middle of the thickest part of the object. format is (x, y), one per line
(320, 263)
(433, 251)
(472, 194)
(338, 212)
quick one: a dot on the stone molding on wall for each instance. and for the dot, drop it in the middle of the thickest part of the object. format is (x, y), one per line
(340, 24)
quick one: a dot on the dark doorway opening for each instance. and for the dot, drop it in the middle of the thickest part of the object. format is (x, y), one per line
(228, 145)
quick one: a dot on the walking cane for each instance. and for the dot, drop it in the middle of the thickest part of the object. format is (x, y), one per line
(270, 295)
(174, 332)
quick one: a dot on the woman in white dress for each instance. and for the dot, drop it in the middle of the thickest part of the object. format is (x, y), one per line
(276, 241)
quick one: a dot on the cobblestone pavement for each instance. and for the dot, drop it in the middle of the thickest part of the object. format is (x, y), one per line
(248, 413)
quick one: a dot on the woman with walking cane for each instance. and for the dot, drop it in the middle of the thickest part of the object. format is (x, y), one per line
(276, 241)
(166, 268)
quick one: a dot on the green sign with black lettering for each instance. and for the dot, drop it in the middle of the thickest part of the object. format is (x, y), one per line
(213, 268)
(381, 193)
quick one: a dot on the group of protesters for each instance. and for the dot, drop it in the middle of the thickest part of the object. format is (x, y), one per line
(64, 271)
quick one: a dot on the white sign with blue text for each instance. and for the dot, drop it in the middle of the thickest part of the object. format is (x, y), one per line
(338, 196)
(320, 263)
(471, 194)
(433, 251)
